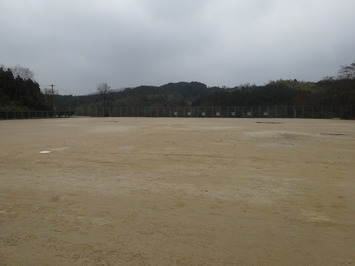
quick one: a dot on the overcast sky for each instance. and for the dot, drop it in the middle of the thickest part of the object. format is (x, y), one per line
(77, 44)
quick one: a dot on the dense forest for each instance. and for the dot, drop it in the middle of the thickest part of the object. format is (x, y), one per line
(19, 92)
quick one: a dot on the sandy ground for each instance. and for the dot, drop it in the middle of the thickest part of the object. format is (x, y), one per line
(171, 191)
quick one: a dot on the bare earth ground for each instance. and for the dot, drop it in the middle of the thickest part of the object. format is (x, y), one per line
(174, 191)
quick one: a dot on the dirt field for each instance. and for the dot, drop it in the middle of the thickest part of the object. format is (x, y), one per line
(171, 191)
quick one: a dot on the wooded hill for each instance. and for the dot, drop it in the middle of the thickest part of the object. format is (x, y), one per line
(284, 92)
(22, 93)
(339, 90)
(281, 92)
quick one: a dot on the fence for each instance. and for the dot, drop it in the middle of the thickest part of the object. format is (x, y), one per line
(34, 114)
(287, 111)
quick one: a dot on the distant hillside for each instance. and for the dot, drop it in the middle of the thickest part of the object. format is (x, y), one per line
(280, 92)
(171, 94)
(284, 92)
(18, 92)
(181, 93)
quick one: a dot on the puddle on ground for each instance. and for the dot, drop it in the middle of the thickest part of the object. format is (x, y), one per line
(333, 134)
(269, 123)
(273, 144)
(127, 147)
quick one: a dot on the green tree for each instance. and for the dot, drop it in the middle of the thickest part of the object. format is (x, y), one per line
(17, 93)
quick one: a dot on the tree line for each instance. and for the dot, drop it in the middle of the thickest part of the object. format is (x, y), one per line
(18, 91)
(332, 90)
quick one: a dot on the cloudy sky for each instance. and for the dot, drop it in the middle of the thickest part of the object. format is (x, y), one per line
(77, 44)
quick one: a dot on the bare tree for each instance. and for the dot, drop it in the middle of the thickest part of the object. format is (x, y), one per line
(347, 72)
(103, 90)
(22, 72)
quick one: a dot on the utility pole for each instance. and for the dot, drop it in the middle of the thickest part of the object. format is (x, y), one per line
(49, 93)
(52, 92)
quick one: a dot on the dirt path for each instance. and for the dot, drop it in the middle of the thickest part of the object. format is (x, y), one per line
(171, 191)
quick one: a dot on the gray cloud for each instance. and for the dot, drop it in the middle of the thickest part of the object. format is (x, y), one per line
(78, 44)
